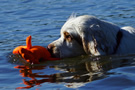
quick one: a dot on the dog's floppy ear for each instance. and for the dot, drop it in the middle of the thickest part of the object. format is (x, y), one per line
(89, 44)
(91, 40)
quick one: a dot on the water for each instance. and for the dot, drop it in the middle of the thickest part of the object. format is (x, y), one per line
(43, 19)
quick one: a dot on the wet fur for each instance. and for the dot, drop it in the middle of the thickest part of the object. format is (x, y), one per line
(92, 36)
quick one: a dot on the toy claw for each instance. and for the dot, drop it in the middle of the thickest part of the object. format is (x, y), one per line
(33, 54)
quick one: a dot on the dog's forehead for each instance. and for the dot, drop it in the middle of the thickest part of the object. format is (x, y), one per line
(70, 26)
(75, 25)
(67, 25)
(70, 30)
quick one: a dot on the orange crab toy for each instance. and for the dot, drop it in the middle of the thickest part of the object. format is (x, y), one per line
(33, 54)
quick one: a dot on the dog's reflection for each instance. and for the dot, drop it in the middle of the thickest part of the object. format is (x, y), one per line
(73, 73)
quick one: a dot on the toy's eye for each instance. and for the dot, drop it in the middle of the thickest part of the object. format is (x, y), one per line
(67, 36)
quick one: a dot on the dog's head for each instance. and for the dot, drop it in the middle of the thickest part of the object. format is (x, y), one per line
(84, 35)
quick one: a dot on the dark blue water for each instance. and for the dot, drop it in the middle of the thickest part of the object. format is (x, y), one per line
(43, 19)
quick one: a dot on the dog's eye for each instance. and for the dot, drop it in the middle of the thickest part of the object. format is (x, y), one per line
(67, 36)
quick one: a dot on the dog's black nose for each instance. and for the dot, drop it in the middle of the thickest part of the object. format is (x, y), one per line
(50, 48)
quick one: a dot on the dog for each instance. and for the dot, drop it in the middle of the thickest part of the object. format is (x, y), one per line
(89, 35)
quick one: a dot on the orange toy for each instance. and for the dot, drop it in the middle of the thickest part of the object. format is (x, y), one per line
(33, 54)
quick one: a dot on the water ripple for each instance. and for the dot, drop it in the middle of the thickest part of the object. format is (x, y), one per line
(43, 20)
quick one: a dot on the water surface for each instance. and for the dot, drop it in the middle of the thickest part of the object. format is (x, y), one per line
(43, 20)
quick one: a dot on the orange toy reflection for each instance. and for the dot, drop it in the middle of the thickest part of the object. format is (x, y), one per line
(26, 71)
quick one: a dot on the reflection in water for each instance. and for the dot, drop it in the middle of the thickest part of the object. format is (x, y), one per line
(74, 72)
(27, 72)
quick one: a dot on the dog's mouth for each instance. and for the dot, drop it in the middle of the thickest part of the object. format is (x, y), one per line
(54, 53)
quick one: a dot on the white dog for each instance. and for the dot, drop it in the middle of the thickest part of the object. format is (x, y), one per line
(89, 35)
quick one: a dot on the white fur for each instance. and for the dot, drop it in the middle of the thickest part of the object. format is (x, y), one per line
(97, 37)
